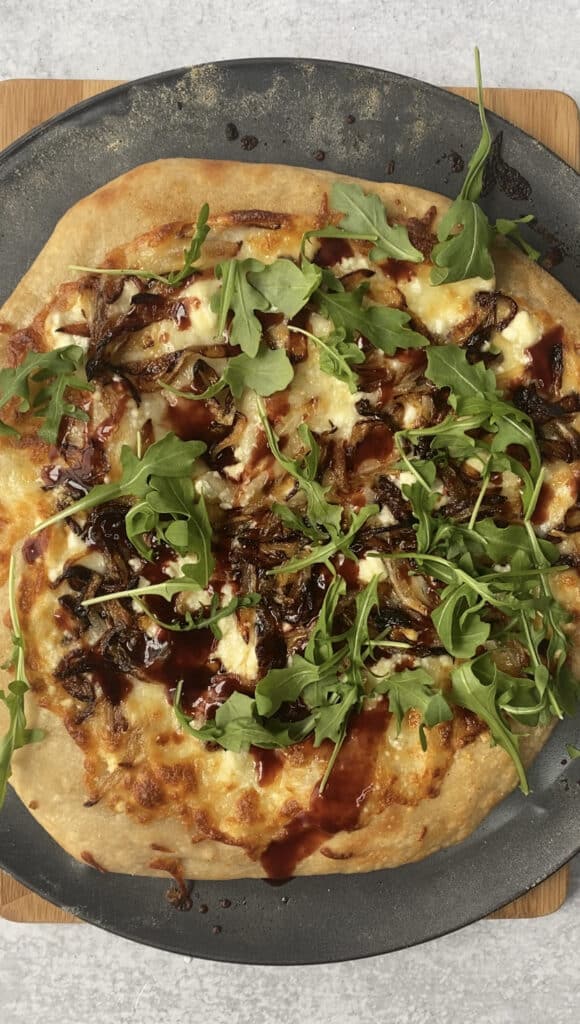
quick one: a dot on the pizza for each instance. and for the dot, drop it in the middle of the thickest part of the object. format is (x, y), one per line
(290, 468)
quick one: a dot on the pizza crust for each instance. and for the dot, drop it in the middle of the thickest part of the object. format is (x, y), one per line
(166, 191)
(50, 776)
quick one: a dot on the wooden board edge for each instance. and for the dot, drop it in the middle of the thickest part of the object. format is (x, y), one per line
(519, 106)
(524, 107)
(19, 905)
(543, 899)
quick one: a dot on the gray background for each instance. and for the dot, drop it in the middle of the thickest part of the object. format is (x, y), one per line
(503, 972)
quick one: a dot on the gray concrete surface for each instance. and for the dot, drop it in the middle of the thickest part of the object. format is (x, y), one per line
(495, 972)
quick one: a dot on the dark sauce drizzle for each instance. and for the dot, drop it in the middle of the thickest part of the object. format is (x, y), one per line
(332, 251)
(547, 360)
(339, 807)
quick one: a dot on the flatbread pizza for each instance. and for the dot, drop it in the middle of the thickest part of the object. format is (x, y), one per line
(290, 469)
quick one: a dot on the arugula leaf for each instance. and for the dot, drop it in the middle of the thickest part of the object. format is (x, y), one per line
(340, 688)
(447, 367)
(284, 684)
(268, 372)
(553, 615)
(319, 647)
(189, 580)
(198, 541)
(178, 516)
(190, 257)
(573, 752)
(459, 256)
(56, 406)
(209, 621)
(167, 458)
(141, 519)
(450, 435)
(468, 692)
(336, 355)
(471, 188)
(237, 727)
(331, 720)
(466, 254)
(331, 723)
(358, 640)
(332, 231)
(285, 286)
(39, 384)
(522, 697)
(458, 622)
(322, 516)
(295, 522)
(238, 294)
(365, 213)
(509, 229)
(423, 500)
(193, 252)
(413, 689)
(322, 553)
(514, 427)
(248, 285)
(504, 543)
(384, 327)
(17, 734)
(475, 396)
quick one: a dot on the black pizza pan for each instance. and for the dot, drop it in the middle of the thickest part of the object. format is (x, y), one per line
(375, 125)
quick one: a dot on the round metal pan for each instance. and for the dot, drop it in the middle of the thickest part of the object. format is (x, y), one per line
(372, 124)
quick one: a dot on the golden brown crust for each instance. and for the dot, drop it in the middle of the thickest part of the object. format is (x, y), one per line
(410, 815)
(50, 775)
(170, 191)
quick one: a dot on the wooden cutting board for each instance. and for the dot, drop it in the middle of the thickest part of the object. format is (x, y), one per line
(550, 116)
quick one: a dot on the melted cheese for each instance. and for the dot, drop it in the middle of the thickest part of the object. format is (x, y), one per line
(252, 430)
(70, 546)
(442, 307)
(406, 478)
(57, 318)
(513, 342)
(203, 319)
(348, 264)
(164, 336)
(412, 414)
(369, 567)
(327, 403)
(121, 305)
(215, 488)
(561, 488)
(386, 517)
(236, 654)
